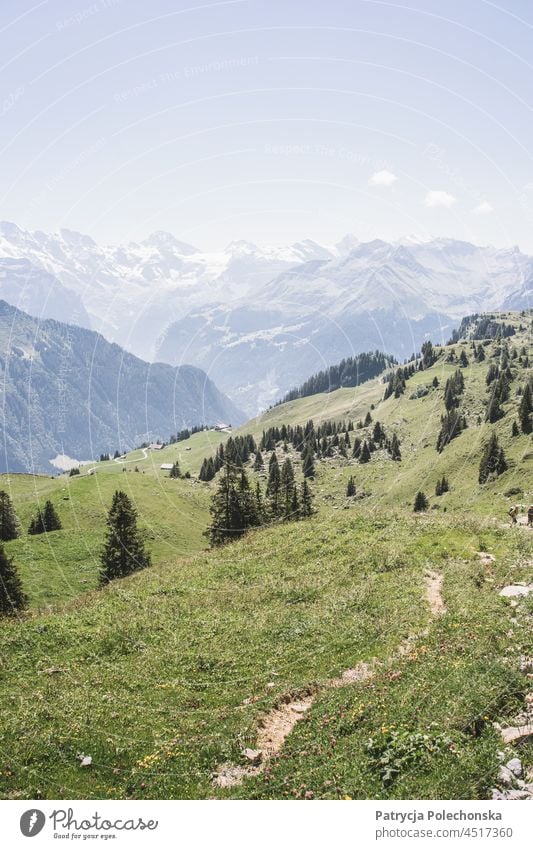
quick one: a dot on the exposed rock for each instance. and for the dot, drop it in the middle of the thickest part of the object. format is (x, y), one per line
(517, 733)
(486, 558)
(253, 755)
(516, 590)
(505, 776)
(515, 766)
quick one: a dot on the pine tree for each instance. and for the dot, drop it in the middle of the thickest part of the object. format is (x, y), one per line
(46, 520)
(248, 503)
(259, 506)
(525, 410)
(308, 462)
(494, 411)
(463, 359)
(12, 596)
(421, 503)
(258, 461)
(124, 551)
(175, 471)
(515, 429)
(306, 500)
(274, 486)
(50, 518)
(438, 488)
(368, 419)
(9, 526)
(365, 453)
(493, 462)
(394, 450)
(287, 487)
(351, 488)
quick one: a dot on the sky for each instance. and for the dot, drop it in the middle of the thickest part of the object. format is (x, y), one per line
(268, 120)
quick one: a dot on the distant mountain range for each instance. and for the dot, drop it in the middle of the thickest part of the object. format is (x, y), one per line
(260, 320)
(65, 390)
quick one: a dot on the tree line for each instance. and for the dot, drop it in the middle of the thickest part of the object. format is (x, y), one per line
(351, 371)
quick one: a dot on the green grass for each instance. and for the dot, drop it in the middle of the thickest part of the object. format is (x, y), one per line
(163, 676)
(173, 513)
(149, 675)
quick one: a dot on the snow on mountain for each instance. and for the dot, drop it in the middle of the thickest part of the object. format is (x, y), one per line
(132, 292)
(250, 314)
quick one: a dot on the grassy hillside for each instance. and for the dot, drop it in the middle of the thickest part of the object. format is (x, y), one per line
(174, 513)
(164, 676)
(417, 422)
(378, 636)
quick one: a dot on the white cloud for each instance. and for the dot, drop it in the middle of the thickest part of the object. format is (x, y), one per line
(439, 199)
(484, 208)
(382, 178)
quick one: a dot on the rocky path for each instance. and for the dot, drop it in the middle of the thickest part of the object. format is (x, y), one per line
(275, 727)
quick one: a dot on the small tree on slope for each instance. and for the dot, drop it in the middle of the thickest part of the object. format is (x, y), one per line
(12, 596)
(421, 503)
(9, 527)
(493, 461)
(124, 550)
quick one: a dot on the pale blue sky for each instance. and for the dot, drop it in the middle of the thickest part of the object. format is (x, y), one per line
(266, 119)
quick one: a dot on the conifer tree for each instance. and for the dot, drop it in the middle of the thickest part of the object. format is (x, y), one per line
(308, 462)
(306, 500)
(351, 488)
(288, 488)
(12, 595)
(274, 486)
(395, 452)
(368, 419)
(356, 451)
(463, 359)
(175, 471)
(50, 518)
(493, 462)
(525, 409)
(365, 453)
(46, 520)
(9, 526)
(124, 551)
(258, 461)
(421, 503)
(515, 429)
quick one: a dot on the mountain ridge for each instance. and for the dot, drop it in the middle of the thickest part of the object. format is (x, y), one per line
(66, 390)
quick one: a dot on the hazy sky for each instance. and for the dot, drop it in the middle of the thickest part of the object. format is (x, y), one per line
(268, 120)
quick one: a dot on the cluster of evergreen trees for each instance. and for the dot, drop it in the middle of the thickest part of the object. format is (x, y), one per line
(452, 423)
(397, 380)
(235, 507)
(453, 389)
(493, 462)
(479, 327)
(351, 371)
(525, 409)
(12, 597)
(46, 520)
(498, 380)
(442, 486)
(186, 433)
(236, 451)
